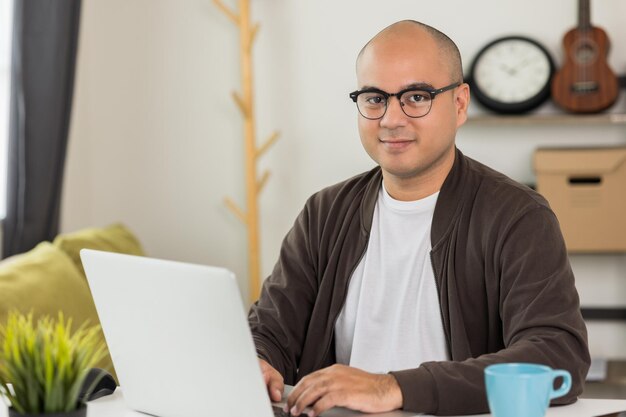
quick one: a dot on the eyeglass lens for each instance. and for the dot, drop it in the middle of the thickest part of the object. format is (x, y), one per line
(414, 103)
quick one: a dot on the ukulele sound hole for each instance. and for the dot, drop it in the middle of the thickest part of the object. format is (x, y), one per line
(585, 54)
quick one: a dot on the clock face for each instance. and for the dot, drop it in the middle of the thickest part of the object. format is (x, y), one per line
(512, 75)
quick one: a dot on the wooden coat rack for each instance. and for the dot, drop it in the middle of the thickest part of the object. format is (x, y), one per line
(245, 101)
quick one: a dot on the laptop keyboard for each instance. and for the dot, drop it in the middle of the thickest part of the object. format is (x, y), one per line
(278, 412)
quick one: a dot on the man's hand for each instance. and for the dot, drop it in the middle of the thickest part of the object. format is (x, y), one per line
(273, 381)
(343, 386)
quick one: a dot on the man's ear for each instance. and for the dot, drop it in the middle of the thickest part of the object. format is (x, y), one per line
(461, 102)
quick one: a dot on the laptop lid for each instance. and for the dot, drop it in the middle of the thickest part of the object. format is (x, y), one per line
(178, 336)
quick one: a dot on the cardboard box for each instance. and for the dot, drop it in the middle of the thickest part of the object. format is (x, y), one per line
(586, 188)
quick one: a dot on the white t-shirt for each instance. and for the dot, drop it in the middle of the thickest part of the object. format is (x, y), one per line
(391, 319)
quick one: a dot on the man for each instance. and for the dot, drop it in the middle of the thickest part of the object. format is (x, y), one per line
(394, 289)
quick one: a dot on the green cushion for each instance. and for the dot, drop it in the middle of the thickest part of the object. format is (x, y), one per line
(45, 281)
(114, 238)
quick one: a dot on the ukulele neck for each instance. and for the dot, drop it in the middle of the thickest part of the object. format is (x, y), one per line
(584, 15)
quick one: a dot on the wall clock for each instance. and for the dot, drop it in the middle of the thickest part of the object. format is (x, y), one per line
(511, 75)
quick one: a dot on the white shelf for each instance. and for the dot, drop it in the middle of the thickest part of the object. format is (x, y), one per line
(547, 119)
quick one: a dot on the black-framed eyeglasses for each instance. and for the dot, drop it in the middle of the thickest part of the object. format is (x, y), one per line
(415, 102)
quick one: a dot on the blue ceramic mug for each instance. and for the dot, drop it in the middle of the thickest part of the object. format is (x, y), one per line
(523, 389)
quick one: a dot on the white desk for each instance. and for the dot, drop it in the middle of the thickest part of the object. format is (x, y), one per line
(114, 406)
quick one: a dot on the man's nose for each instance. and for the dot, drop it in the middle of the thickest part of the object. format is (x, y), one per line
(394, 116)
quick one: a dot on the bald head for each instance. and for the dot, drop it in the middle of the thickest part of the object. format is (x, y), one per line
(407, 30)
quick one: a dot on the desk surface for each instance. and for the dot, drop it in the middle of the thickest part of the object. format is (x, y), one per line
(113, 405)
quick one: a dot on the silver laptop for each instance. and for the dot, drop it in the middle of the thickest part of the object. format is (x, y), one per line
(179, 338)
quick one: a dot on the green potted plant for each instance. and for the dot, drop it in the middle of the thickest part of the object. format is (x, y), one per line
(43, 365)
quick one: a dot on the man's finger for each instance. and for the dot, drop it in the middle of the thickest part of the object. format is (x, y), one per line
(273, 381)
(295, 393)
(300, 387)
(314, 390)
(325, 403)
(276, 386)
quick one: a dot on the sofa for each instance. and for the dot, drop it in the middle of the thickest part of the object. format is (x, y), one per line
(50, 277)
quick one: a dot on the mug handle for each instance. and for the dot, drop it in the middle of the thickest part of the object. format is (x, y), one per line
(565, 386)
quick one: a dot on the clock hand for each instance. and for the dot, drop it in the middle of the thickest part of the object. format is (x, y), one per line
(507, 69)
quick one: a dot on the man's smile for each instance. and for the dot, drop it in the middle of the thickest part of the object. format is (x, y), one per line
(396, 143)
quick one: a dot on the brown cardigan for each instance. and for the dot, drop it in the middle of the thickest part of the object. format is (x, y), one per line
(505, 287)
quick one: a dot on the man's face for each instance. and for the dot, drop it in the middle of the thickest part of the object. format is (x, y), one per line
(408, 147)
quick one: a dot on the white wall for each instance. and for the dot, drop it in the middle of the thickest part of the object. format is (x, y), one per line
(156, 141)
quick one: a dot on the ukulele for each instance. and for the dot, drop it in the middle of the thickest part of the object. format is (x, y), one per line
(585, 83)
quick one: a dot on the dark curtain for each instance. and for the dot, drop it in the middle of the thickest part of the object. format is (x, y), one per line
(45, 38)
